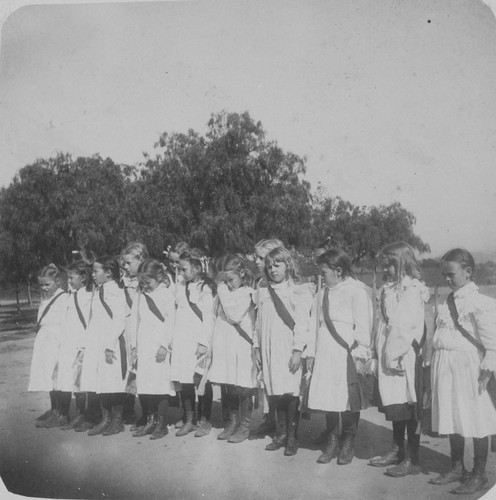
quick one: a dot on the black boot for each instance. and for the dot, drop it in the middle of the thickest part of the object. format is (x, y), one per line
(279, 440)
(478, 479)
(396, 453)
(331, 450)
(293, 418)
(117, 424)
(268, 426)
(350, 428)
(148, 428)
(161, 429)
(245, 407)
(103, 425)
(457, 471)
(230, 427)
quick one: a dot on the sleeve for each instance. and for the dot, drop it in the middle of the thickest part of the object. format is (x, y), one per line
(235, 304)
(117, 304)
(485, 320)
(302, 304)
(168, 309)
(362, 317)
(206, 305)
(405, 324)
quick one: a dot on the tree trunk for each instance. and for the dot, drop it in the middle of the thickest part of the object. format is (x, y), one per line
(30, 298)
(17, 300)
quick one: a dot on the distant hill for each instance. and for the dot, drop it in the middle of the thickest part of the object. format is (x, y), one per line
(482, 257)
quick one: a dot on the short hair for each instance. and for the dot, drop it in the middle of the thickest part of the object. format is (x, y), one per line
(82, 268)
(460, 255)
(281, 254)
(402, 257)
(334, 258)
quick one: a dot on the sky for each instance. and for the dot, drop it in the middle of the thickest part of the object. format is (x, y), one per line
(387, 100)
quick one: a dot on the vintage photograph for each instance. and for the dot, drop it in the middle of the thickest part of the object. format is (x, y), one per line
(247, 249)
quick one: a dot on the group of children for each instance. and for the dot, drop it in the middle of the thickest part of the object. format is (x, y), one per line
(134, 325)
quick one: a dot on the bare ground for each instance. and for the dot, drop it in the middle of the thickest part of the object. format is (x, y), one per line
(50, 463)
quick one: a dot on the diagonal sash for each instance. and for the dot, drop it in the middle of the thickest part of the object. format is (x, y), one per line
(129, 300)
(281, 309)
(45, 311)
(78, 309)
(193, 306)
(153, 307)
(351, 373)
(122, 340)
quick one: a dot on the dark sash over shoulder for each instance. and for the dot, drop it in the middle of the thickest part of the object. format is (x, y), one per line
(45, 311)
(122, 340)
(193, 306)
(153, 307)
(351, 373)
(491, 385)
(78, 310)
(281, 309)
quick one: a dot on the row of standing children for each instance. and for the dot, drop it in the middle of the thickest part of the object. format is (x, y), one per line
(241, 335)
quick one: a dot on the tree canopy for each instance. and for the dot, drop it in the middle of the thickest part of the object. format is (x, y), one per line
(222, 191)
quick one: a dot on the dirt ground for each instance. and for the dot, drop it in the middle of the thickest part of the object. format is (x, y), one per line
(50, 463)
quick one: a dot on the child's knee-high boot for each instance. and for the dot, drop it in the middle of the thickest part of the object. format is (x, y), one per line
(188, 401)
(350, 427)
(64, 403)
(281, 436)
(78, 419)
(161, 428)
(332, 449)
(396, 453)
(231, 404)
(293, 419)
(53, 405)
(245, 407)
(457, 471)
(205, 411)
(117, 424)
(410, 465)
(103, 425)
(478, 479)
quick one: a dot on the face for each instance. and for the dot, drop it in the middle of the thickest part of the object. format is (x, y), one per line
(100, 276)
(260, 254)
(455, 274)
(277, 271)
(390, 273)
(131, 264)
(48, 286)
(188, 272)
(147, 283)
(75, 280)
(174, 260)
(234, 280)
(330, 275)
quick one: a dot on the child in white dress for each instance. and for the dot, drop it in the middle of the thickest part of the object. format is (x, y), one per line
(104, 368)
(192, 337)
(282, 334)
(463, 363)
(73, 341)
(44, 364)
(400, 336)
(153, 314)
(232, 340)
(343, 335)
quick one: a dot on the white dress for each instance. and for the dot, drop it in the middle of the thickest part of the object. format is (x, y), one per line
(73, 338)
(189, 330)
(151, 333)
(404, 306)
(350, 309)
(457, 406)
(232, 360)
(277, 341)
(43, 374)
(103, 332)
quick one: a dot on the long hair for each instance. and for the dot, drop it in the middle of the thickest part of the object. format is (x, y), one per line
(281, 254)
(237, 264)
(402, 257)
(152, 268)
(84, 270)
(197, 258)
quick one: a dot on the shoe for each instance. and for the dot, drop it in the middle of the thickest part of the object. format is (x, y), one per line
(392, 457)
(84, 426)
(144, 430)
(476, 482)
(230, 427)
(268, 426)
(452, 476)
(161, 429)
(204, 428)
(331, 451)
(57, 421)
(116, 425)
(291, 446)
(186, 429)
(44, 416)
(42, 420)
(279, 440)
(179, 424)
(141, 422)
(73, 423)
(242, 432)
(348, 450)
(103, 425)
(404, 468)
